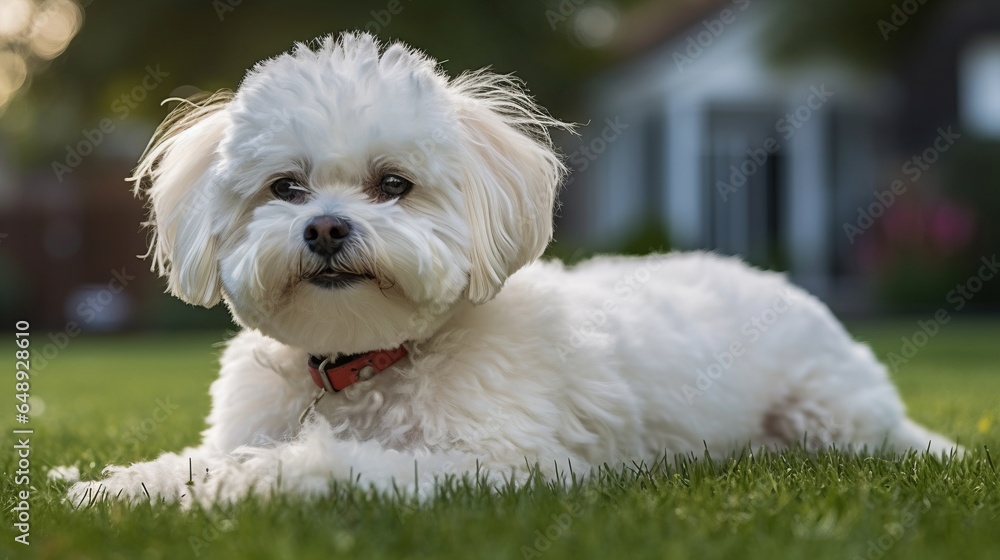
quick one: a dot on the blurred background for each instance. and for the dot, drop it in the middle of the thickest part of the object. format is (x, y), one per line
(854, 144)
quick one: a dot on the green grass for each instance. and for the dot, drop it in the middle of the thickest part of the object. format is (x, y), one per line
(790, 505)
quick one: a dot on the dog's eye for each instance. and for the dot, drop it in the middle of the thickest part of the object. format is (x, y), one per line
(288, 190)
(394, 186)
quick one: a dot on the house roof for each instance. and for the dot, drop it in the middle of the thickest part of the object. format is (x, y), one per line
(657, 21)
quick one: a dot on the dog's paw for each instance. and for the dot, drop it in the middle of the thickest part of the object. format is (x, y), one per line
(164, 480)
(64, 473)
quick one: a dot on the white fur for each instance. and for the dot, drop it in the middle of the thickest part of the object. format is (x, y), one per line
(617, 359)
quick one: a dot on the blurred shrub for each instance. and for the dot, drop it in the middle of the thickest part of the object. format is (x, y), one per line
(164, 312)
(924, 247)
(650, 236)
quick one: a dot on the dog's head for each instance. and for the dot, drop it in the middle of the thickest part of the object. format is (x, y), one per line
(348, 197)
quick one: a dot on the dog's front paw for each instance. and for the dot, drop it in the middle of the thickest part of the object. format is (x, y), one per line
(164, 480)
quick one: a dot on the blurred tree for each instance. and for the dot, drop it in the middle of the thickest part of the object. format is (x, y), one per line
(208, 44)
(869, 33)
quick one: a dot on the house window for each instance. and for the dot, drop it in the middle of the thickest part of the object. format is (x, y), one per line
(979, 87)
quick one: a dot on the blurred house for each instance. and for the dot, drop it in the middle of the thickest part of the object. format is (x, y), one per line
(695, 140)
(696, 132)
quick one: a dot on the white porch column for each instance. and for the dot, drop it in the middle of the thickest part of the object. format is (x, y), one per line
(807, 207)
(685, 122)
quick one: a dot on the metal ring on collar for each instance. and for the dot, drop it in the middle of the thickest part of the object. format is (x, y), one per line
(326, 378)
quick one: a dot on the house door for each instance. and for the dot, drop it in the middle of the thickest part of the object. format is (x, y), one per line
(744, 187)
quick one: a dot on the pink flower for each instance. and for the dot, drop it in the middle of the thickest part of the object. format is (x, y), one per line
(952, 227)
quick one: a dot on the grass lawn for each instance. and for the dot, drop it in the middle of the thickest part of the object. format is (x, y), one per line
(97, 403)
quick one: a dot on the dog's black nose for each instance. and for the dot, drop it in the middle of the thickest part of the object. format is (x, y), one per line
(325, 234)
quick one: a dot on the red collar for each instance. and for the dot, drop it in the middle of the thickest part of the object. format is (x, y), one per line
(348, 369)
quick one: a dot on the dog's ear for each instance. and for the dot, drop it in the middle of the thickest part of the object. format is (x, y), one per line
(175, 176)
(511, 181)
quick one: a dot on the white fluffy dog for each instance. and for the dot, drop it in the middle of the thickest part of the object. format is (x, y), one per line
(375, 228)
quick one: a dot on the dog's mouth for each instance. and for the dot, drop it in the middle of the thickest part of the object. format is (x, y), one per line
(330, 278)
